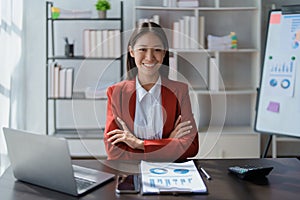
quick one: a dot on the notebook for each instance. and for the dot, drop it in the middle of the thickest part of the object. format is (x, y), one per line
(45, 161)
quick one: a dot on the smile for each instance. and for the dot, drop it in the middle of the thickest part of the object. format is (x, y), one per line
(149, 65)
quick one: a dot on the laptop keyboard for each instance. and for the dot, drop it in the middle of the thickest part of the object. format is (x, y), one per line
(83, 183)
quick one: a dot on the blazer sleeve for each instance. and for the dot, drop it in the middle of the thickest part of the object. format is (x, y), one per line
(120, 151)
(176, 148)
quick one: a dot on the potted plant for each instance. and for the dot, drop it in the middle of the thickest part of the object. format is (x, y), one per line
(102, 6)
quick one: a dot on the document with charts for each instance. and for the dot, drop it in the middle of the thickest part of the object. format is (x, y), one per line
(162, 177)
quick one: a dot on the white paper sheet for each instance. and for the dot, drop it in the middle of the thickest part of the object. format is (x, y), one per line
(162, 177)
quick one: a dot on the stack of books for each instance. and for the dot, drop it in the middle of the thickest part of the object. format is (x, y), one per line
(60, 81)
(101, 43)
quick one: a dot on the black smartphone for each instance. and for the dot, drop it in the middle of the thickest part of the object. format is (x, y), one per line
(127, 184)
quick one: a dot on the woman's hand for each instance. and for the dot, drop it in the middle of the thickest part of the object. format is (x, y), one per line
(181, 128)
(125, 136)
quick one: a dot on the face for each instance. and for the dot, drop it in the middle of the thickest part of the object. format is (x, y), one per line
(148, 53)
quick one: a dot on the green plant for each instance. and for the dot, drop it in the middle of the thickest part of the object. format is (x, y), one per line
(102, 5)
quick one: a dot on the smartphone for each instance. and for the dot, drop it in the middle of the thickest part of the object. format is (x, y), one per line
(128, 184)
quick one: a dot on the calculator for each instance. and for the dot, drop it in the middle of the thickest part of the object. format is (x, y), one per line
(250, 172)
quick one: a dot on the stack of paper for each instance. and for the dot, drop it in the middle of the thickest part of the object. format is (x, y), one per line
(63, 13)
(163, 178)
(222, 42)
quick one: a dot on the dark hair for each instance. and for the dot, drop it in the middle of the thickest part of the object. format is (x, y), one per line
(142, 29)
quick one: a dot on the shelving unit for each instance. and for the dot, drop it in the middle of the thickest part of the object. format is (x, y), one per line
(225, 117)
(54, 54)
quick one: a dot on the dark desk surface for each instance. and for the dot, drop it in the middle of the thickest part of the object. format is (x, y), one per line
(282, 183)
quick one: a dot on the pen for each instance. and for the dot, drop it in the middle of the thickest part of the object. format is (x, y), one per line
(208, 177)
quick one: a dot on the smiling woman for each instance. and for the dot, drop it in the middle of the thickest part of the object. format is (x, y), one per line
(149, 116)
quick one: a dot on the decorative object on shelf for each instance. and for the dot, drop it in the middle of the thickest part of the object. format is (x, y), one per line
(69, 48)
(102, 6)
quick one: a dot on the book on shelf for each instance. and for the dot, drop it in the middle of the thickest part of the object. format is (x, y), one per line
(101, 43)
(60, 81)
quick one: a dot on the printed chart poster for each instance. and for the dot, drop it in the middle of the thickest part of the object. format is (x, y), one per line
(163, 177)
(281, 77)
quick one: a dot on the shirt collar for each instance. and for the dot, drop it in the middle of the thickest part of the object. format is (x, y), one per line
(154, 91)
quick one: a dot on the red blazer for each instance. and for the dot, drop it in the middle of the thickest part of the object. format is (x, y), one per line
(175, 101)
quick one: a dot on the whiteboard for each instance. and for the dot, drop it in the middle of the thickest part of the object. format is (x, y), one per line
(278, 103)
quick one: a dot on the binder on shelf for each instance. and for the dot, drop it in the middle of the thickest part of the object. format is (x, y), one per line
(105, 43)
(99, 47)
(51, 79)
(176, 35)
(193, 33)
(93, 43)
(213, 78)
(56, 81)
(201, 31)
(69, 82)
(62, 83)
(86, 43)
(181, 38)
(111, 43)
(186, 31)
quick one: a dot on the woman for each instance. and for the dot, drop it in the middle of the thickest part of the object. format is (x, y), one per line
(149, 117)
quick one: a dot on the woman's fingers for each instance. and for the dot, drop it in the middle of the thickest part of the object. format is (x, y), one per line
(178, 121)
(116, 131)
(183, 129)
(123, 124)
(183, 134)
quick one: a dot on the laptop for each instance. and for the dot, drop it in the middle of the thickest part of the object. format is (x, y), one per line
(45, 161)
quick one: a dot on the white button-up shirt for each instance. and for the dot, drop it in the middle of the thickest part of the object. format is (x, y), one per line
(148, 121)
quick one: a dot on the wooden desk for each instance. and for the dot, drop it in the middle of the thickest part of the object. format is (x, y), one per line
(282, 183)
